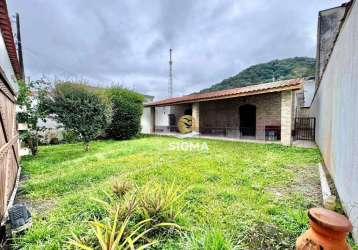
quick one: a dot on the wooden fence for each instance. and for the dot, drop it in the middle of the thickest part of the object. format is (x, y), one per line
(9, 155)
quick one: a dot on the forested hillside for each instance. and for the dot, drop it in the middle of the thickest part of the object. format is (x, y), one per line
(265, 72)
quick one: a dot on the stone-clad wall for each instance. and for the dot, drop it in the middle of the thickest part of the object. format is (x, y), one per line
(225, 113)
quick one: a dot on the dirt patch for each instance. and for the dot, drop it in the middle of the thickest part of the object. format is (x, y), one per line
(267, 236)
(38, 206)
(307, 183)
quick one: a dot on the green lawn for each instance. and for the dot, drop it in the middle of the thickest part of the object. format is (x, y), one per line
(248, 192)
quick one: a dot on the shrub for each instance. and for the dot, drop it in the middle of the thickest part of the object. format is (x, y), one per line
(160, 202)
(120, 188)
(22, 117)
(127, 108)
(128, 204)
(70, 136)
(115, 234)
(54, 141)
(118, 229)
(80, 110)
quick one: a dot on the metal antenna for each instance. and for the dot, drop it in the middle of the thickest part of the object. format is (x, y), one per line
(170, 83)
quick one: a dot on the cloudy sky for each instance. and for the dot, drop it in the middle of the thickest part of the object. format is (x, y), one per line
(127, 42)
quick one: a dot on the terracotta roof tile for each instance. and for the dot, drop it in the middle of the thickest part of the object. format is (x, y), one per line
(6, 32)
(231, 93)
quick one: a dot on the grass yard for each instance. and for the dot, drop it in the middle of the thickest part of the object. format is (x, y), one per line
(253, 195)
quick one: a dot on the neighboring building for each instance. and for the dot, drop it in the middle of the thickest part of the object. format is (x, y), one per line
(304, 98)
(51, 130)
(335, 103)
(9, 72)
(260, 112)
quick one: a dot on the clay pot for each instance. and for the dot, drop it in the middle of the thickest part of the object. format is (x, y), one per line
(328, 231)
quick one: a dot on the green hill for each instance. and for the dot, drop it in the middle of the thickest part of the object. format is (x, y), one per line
(264, 72)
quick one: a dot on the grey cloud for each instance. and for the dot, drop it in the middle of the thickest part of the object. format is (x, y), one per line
(127, 42)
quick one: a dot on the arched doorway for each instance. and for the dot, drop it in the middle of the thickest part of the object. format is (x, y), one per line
(247, 120)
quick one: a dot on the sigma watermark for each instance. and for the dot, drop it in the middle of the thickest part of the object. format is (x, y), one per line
(185, 126)
(189, 146)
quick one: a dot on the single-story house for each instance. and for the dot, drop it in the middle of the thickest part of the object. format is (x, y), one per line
(260, 112)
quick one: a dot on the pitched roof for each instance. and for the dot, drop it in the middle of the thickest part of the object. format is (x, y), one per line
(257, 89)
(6, 32)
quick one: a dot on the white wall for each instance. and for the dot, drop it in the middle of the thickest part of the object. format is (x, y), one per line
(5, 64)
(336, 108)
(161, 116)
(145, 121)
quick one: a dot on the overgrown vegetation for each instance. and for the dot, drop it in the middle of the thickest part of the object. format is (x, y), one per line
(265, 72)
(127, 109)
(87, 112)
(229, 195)
(31, 100)
(79, 110)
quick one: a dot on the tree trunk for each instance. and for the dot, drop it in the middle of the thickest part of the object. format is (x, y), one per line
(32, 145)
(87, 146)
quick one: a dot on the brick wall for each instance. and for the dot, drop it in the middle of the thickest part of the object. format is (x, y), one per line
(225, 113)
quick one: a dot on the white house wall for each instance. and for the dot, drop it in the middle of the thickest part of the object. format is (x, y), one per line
(336, 108)
(161, 116)
(145, 121)
(5, 64)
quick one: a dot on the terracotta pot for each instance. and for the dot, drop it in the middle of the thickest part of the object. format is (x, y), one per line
(328, 231)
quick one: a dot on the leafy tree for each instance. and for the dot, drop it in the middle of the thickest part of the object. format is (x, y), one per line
(127, 108)
(31, 99)
(79, 109)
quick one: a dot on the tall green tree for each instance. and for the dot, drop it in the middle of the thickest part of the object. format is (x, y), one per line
(31, 100)
(127, 109)
(79, 109)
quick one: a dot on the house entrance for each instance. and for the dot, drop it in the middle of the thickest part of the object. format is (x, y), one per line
(247, 120)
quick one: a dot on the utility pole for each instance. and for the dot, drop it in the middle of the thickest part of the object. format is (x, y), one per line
(170, 83)
(19, 46)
